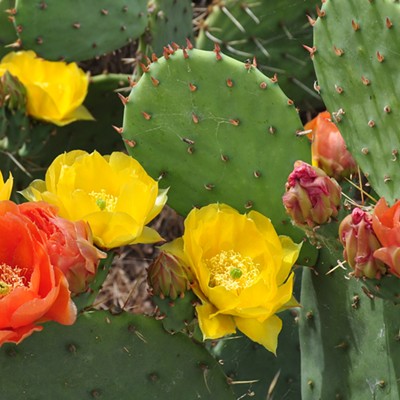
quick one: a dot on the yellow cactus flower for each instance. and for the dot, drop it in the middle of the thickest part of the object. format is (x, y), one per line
(112, 193)
(242, 272)
(6, 187)
(55, 89)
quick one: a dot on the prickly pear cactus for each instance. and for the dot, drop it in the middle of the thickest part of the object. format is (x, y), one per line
(112, 357)
(78, 30)
(356, 54)
(274, 33)
(169, 21)
(8, 35)
(350, 341)
(215, 130)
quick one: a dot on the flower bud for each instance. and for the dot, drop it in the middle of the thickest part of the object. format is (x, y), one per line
(311, 198)
(329, 151)
(12, 92)
(360, 242)
(167, 276)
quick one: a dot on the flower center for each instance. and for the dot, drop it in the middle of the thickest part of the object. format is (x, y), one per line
(10, 278)
(104, 200)
(231, 270)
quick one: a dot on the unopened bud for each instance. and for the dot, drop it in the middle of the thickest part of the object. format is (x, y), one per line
(311, 198)
(12, 92)
(329, 151)
(167, 276)
(360, 243)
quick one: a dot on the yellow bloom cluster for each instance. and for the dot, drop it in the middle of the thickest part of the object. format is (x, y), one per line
(114, 194)
(55, 89)
(242, 272)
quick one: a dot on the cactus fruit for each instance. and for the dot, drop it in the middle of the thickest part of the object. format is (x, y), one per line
(112, 357)
(356, 57)
(236, 122)
(74, 31)
(273, 33)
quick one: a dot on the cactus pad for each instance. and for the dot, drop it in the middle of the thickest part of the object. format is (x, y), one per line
(356, 55)
(214, 129)
(78, 30)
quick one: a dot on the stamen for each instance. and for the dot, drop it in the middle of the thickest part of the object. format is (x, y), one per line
(10, 278)
(104, 200)
(232, 270)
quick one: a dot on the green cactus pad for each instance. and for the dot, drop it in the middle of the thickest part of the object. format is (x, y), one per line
(104, 356)
(214, 129)
(169, 21)
(8, 35)
(256, 371)
(274, 33)
(356, 56)
(350, 341)
(78, 30)
(388, 287)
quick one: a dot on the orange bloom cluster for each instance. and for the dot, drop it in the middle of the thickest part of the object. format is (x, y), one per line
(42, 259)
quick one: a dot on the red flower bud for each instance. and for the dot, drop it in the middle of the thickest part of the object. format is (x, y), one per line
(360, 244)
(167, 276)
(386, 223)
(329, 151)
(311, 197)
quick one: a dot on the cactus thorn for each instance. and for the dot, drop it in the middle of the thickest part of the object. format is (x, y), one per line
(387, 109)
(154, 58)
(217, 50)
(339, 52)
(320, 13)
(190, 149)
(123, 99)
(104, 12)
(195, 118)
(234, 122)
(338, 89)
(355, 25)
(379, 56)
(389, 23)
(257, 174)
(16, 44)
(365, 150)
(192, 87)
(148, 61)
(263, 85)
(290, 102)
(188, 141)
(189, 44)
(209, 186)
(229, 82)
(171, 49)
(387, 178)
(395, 153)
(119, 130)
(224, 158)
(311, 50)
(146, 115)
(144, 68)
(365, 81)
(272, 130)
(11, 11)
(249, 204)
(76, 25)
(371, 123)
(39, 40)
(166, 53)
(130, 143)
(311, 20)
(185, 53)
(155, 81)
(43, 5)
(132, 83)
(274, 79)
(175, 46)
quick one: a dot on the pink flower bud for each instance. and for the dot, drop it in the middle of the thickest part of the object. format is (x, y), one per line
(167, 276)
(329, 151)
(360, 244)
(69, 244)
(311, 198)
(386, 223)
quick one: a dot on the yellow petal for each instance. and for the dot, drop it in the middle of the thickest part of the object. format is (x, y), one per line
(291, 252)
(160, 202)
(79, 114)
(149, 235)
(6, 187)
(265, 332)
(214, 327)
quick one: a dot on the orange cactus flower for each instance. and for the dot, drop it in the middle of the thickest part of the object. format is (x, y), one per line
(32, 291)
(386, 224)
(329, 151)
(69, 244)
